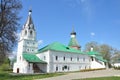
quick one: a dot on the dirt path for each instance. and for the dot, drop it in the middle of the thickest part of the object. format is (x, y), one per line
(90, 74)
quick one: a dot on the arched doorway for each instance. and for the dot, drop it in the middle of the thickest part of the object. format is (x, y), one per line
(17, 70)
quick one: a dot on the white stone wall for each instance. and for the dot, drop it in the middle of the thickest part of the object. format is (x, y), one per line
(30, 46)
(24, 67)
(116, 64)
(97, 65)
(45, 57)
(78, 61)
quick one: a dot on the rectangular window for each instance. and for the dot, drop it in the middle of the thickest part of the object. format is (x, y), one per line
(71, 58)
(63, 68)
(79, 67)
(56, 58)
(77, 58)
(68, 68)
(44, 57)
(64, 58)
(56, 68)
(83, 59)
(29, 66)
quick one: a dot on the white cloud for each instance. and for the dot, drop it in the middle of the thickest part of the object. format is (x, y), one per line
(40, 42)
(92, 34)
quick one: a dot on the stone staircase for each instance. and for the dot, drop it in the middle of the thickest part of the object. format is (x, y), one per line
(36, 68)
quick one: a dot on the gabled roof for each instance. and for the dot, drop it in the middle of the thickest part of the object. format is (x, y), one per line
(73, 42)
(59, 47)
(32, 58)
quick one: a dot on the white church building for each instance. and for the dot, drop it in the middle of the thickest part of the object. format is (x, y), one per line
(54, 57)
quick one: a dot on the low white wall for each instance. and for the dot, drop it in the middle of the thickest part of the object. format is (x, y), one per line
(23, 67)
(116, 64)
(96, 65)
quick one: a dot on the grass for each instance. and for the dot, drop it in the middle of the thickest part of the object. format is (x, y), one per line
(102, 78)
(7, 76)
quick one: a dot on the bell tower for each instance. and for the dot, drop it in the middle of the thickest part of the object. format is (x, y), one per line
(27, 42)
(28, 31)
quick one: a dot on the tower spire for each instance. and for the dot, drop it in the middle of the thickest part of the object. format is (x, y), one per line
(28, 31)
(29, 19)
(73, 41)
(73, 28)
(73, 33)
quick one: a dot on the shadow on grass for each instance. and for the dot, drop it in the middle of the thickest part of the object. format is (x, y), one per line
(7, 76)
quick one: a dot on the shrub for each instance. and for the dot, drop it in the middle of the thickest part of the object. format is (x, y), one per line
(85, 70)
(4, 67)
(117, 68)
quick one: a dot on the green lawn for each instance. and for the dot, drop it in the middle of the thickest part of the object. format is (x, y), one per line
(102, 78)
(7, 76)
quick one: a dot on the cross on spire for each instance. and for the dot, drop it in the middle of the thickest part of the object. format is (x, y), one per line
(73, 32)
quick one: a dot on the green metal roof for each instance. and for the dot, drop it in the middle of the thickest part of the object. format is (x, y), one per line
(59, 47)
(93, 53)
(73, 42)
(32, 58)
(100, 58)
(96, 55)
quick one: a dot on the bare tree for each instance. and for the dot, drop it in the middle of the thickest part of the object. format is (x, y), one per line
(91, 44)
(106, 51)
(9, 18)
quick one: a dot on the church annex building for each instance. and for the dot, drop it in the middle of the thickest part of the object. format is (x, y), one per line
(54, 57)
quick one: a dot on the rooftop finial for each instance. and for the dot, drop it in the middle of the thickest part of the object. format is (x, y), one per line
(73, 32)
(30, 10)
(73, 28)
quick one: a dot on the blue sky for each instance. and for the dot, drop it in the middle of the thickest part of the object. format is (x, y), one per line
(93, 20)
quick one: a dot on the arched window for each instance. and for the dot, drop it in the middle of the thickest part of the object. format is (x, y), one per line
(30, 32)
(92, 58)
(27, 49)
(20, 57)
(25, 32)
